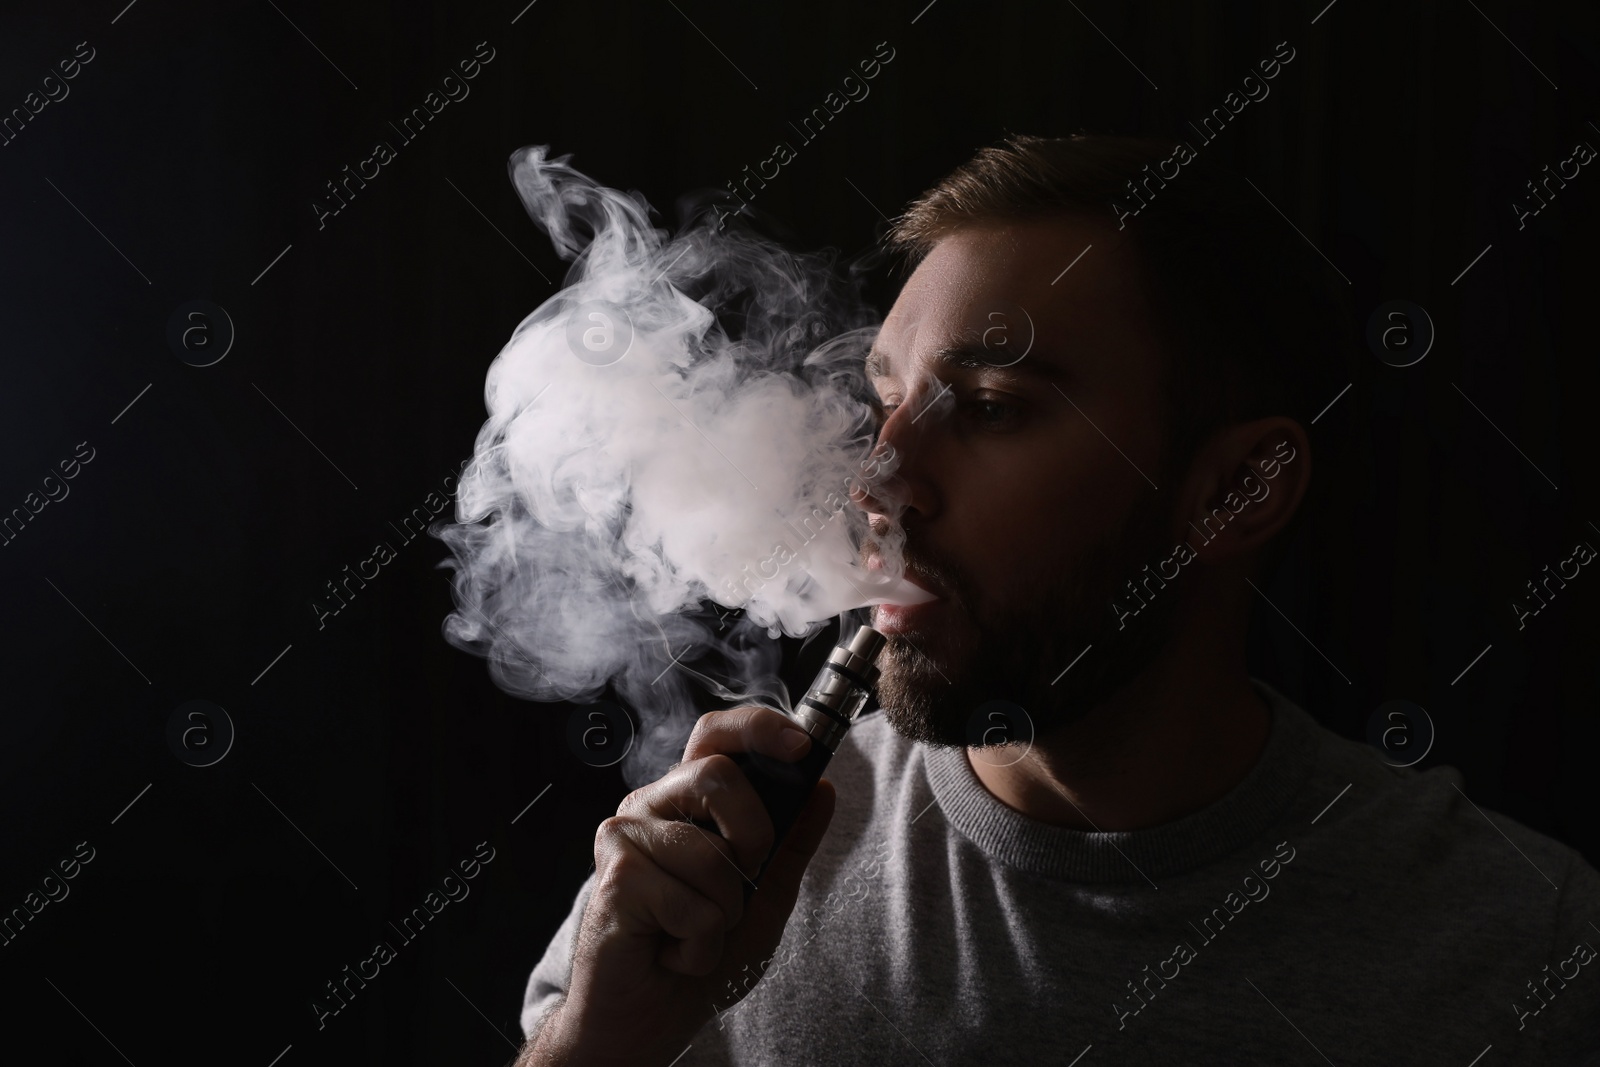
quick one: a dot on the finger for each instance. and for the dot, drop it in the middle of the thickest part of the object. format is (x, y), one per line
(645, 899)
(752, 729)
(694, 856)
(711, 790)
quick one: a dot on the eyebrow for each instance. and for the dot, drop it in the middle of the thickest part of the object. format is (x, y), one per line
(972, 357)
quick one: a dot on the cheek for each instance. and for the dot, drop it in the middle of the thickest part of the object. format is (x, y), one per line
(1024, 513)
(1021, 525)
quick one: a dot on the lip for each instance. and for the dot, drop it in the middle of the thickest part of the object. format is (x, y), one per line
(900, 618)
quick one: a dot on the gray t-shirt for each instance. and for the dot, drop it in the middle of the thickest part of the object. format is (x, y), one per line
(1331, 908)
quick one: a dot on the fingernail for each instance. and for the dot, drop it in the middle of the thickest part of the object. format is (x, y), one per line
(793, 739)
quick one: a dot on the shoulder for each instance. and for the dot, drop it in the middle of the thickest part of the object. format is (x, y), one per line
(1421, 834)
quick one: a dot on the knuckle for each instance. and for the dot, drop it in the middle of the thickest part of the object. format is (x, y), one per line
(610, 829)
(615, 849)
(635, 802)
(702, 727)
(620, 871)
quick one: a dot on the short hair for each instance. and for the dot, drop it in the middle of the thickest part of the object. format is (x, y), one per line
(1251, 319)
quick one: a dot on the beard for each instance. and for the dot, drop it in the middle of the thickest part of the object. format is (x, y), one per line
(947, 686)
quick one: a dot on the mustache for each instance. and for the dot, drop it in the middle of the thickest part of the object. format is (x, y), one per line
(937, 577)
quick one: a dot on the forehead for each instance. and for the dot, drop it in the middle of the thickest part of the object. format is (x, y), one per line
(1071, 283)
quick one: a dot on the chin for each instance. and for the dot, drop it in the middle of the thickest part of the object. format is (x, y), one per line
(917, 700)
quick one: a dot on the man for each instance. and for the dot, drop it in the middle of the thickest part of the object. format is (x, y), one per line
(1182, 866)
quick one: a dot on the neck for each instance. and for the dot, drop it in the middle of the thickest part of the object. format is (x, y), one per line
(1176, 739)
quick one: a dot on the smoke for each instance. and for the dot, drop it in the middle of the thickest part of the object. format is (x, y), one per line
(683, 422)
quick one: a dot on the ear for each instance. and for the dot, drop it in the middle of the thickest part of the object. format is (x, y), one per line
(1243, 487)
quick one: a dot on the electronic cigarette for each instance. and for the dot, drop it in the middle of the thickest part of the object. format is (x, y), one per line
(826, 713)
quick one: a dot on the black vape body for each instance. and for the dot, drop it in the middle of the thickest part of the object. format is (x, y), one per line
(825, 713)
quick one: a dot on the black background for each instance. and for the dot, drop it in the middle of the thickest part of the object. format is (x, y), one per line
(186, 556)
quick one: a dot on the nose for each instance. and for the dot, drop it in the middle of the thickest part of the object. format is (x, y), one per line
(900, 475)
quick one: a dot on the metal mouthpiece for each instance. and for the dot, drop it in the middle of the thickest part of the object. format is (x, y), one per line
(841, 688)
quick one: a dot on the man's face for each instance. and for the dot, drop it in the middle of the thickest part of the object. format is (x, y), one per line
(1020, 492)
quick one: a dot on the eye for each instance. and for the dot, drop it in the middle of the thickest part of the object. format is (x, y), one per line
(993, 414)
(988, 413)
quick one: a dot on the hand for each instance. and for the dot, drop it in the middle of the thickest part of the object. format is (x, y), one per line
(667, 925)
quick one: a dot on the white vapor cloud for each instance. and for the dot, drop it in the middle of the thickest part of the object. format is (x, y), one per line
(680, 423)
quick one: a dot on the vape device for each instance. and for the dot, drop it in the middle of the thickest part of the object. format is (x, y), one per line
(826, 712)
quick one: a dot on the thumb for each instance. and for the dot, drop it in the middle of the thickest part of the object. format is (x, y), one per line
(771, 903)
